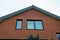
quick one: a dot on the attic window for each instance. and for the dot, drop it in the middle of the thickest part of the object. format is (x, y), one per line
(19, 24)
(34, 24)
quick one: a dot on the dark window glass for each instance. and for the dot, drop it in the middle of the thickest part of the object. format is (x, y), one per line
(58, 36)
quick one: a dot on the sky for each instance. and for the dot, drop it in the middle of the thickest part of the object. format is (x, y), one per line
(10, 6)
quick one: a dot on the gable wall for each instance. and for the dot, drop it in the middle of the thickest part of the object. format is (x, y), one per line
(7, 27)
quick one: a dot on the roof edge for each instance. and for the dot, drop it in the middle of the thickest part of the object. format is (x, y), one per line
(47, 13)
(28, 8)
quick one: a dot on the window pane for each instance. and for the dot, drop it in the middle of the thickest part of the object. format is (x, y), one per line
(38, 25)
(19, 25)
(30, 24)
(58, 36)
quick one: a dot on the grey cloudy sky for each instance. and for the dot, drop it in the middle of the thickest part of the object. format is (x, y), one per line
(9, 6)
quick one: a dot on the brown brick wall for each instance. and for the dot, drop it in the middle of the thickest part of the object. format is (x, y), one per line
(8, 31)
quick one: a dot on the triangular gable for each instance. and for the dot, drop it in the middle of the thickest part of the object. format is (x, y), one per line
(28, 8)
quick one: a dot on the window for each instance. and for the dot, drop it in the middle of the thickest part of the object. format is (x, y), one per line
(30, 24)
(34, 24)
(19, 24)
(58, 36)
